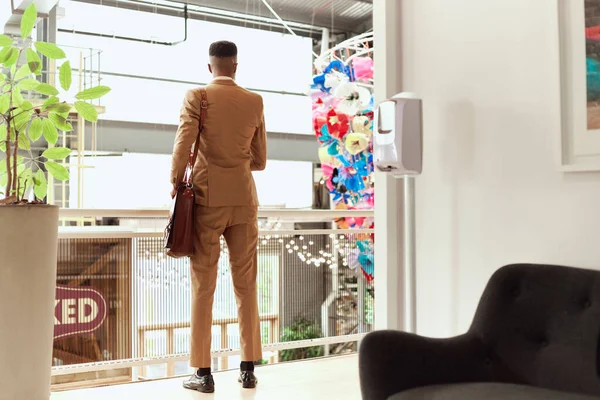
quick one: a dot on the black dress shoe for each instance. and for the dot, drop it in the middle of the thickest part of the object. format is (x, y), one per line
(204, 384)
(247, 379)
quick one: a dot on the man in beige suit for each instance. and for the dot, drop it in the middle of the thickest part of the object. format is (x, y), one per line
(232, 145)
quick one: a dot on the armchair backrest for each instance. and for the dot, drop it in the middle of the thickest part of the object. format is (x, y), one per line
(541, 324)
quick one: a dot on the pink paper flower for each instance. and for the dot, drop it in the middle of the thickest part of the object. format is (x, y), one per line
(363, 68)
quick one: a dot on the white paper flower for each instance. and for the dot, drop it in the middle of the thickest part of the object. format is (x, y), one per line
(334, 79)
(354, 98)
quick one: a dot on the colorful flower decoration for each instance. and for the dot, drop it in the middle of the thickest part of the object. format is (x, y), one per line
(343, 123)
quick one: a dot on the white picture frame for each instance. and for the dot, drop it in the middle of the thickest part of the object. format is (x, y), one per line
(579, 149)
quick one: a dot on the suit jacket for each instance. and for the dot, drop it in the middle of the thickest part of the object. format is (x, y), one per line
(232, 145)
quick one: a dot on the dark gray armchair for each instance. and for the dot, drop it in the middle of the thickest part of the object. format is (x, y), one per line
(535, 336)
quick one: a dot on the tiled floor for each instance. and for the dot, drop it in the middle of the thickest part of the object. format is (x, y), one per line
(328, 379)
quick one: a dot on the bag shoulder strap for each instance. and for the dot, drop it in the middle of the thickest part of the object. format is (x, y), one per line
(194, 155)
(203, 108)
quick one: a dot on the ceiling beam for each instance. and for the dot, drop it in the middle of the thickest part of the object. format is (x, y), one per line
(342, 25)
(264, 23)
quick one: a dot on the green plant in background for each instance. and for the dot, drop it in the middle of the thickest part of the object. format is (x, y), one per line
(301, 329)
(22, 122)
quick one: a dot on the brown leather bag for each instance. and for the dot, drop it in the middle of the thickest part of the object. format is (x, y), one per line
(180, 231)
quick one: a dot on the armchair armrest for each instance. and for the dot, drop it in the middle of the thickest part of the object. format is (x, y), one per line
(391, 362)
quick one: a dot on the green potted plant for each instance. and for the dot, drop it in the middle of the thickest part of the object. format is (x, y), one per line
(29, 226)
(301, 329)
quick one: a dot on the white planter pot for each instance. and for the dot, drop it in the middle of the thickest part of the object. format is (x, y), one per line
(28, 246)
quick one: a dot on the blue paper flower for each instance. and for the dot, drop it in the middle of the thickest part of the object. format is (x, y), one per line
(319, 83)
(341, 67)
(367, 263)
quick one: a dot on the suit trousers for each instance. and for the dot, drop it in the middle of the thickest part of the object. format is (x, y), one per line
(239, 226)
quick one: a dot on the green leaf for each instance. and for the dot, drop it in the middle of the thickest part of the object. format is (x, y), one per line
(40, 184)
(4, 103)
(34, 62)
(17, 97)
(12, 59)
(28, 84)
(64, 115)
(58, 171)
(57, 153)
(5, 41)
(3, 146)
(66, 76)
(93, 93)
(50, 132)
(26, 174)
(50, 102)
(22, 72)
(36, 129)
(46, 89)
(24, 142)
(50, 50)
(6, 53)
(22, 118)
(60, 108)
(20, 168)
(27, 106)
(28, 21)
(87, 111)
(9, 56)
(60, 122)
(25, 180)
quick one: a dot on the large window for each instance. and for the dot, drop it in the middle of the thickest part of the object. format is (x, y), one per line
(149, 80)
(132, 181)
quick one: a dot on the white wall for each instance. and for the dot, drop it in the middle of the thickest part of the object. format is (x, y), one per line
(490, 193)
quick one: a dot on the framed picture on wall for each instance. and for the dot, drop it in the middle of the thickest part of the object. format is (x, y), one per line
(579, 28)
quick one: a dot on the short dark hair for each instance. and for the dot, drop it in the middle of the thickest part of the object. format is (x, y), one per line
(223, 49)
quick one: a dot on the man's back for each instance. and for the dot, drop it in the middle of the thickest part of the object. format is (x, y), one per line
(232, 144)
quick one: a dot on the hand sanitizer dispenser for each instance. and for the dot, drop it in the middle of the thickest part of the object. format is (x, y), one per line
(398, 135)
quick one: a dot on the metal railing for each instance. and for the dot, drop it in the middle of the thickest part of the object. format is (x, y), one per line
(313, 299)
